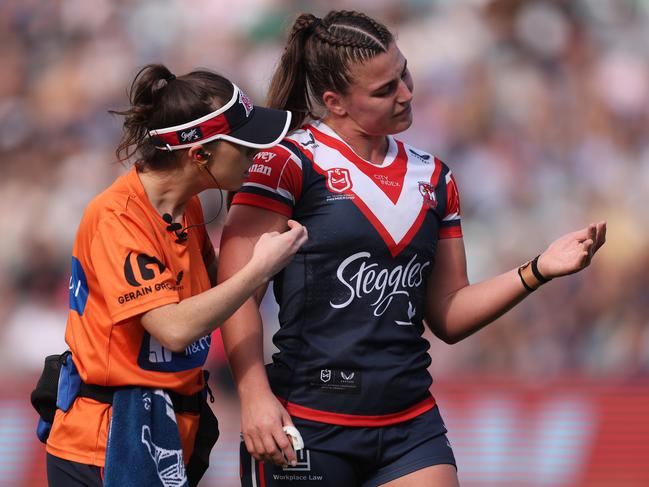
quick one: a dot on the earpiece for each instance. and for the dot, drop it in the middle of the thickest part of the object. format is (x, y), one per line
(203, 154)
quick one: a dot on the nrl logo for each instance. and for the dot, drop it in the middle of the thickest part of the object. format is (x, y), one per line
(325, 375)
(338, 180)
(428, 192)
(246, 102)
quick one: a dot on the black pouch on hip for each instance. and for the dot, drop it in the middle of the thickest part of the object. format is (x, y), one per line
(44, 396)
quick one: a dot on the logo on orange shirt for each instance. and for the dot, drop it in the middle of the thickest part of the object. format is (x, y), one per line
(146, 266)
(78, 287)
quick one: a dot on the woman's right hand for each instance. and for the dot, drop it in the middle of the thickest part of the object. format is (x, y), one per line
(262, 421)
(274, 250)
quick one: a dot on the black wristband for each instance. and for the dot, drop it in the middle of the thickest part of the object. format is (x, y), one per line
(535, 270)
(525, 285)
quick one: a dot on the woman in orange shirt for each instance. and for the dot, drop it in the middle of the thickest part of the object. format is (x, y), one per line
(142, 301)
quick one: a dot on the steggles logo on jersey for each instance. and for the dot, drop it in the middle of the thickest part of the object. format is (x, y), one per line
(362, 278)
(338, 180)
(428, 192)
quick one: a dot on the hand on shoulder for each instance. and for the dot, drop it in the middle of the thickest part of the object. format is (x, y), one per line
(274, 250)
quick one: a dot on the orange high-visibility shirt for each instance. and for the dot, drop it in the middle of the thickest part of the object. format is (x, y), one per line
(125, 262)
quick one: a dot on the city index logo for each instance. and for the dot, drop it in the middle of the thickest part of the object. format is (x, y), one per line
(147, 268)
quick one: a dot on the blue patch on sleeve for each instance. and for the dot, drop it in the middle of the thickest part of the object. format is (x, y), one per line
(154, 356)
(78, 287)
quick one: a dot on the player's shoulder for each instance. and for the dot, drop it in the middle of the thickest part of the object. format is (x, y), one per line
(289, 152)
(420, 156)
(302, 142)
(302, 136)
(276, 156)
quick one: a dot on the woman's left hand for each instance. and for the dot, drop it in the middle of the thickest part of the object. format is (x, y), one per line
(572, 252)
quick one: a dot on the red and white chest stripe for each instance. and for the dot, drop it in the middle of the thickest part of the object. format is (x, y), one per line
(396, 220)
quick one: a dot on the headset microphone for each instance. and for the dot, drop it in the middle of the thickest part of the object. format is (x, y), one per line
(177, 228)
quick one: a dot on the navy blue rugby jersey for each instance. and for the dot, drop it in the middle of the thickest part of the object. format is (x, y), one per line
(350, 343)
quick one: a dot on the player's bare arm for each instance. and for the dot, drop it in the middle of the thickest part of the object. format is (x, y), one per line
(262, 416)
(457, 309)
(178, 325)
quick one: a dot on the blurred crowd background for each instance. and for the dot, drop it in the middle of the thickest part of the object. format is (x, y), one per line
(540, 108)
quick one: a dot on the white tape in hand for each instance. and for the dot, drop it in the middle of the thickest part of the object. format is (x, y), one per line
(295, 437)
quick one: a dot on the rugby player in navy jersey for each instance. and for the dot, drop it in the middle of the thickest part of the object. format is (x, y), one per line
(385, 255)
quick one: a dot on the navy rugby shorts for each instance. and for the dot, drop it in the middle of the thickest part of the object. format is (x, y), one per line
(337, 456)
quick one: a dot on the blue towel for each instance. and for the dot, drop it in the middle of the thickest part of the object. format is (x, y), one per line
(143, 442)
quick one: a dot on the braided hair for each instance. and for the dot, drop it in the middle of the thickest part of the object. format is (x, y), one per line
(318, 56)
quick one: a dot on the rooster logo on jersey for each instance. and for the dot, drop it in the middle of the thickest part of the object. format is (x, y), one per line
(338, 180)
(428, 192)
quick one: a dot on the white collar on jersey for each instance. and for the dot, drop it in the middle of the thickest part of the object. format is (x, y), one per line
(389, 158)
